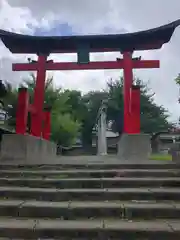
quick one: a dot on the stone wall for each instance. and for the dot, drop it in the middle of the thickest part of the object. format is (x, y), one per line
(27, 149)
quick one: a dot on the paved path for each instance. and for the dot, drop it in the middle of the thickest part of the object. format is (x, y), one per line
(109, 159)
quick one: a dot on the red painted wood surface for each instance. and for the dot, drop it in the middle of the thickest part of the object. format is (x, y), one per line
(135, 111)
(47, 125)
(38, 102)
(22, 111)
(138, 64)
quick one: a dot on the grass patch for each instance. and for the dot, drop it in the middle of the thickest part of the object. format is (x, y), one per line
(165, 157)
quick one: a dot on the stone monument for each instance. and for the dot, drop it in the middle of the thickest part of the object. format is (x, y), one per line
(102, 125)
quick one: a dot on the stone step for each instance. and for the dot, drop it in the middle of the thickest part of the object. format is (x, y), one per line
(122, 182)
(90, 210)
(89, 229)
(52, 194)
(94, 165)
(79, 173)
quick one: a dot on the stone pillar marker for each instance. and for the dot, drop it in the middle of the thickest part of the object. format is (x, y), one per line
(102, 141)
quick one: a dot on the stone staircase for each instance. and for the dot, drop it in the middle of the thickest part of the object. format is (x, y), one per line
(94, 201)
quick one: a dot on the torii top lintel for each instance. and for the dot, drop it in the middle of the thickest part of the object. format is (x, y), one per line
(143, 40)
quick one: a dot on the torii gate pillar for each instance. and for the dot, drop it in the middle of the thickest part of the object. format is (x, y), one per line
(36, 120)
(128, 82)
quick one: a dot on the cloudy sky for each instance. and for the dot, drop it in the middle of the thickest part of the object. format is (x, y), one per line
(67, 17)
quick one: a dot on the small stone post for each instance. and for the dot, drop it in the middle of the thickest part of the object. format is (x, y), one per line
(102, 141)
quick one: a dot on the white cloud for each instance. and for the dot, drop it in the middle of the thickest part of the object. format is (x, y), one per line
(93, 17)
(16, 19)
(13, 19)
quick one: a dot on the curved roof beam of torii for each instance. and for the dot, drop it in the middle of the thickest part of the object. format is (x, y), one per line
(142, 40)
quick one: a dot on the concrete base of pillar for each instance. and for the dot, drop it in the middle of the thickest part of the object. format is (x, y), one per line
(26, 149)
(175, 153)
(134, 147)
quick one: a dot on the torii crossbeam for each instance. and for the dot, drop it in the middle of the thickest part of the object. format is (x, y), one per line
(83, 45)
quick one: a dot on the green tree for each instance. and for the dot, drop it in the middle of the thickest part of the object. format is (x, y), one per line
(177, 79)
(77, 107)
(64, 129)
(115, 104)
(84, 109)
(154, 118)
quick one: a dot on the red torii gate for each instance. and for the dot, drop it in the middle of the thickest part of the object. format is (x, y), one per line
(83, 45)
(131, 95)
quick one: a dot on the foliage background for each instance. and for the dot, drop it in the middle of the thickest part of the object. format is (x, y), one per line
(74, 113)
